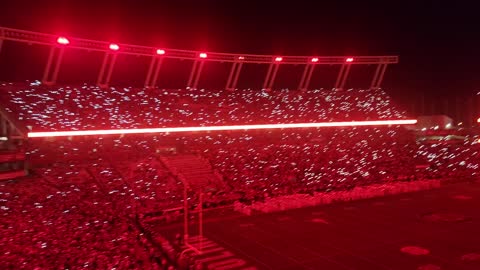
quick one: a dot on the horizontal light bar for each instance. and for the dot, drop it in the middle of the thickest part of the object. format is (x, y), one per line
(217, 128)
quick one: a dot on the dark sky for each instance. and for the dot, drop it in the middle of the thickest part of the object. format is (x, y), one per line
(438, 41)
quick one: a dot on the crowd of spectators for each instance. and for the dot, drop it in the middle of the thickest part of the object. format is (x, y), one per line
(449, 160)
(64, 219)
(47, 108)
(310, 160)
(81, 204)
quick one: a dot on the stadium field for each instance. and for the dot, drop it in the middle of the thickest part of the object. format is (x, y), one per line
(435, 229)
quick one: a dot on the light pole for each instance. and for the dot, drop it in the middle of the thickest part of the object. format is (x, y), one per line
(185, 220)
(185, 213)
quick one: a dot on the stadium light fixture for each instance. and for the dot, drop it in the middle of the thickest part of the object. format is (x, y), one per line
(314, 60)
(218, 128)
(114, 47)
(63, 41)
(241, 58)
(478, 120)
(349, 60)
(278, 59)
(160, 52)
(203, 55)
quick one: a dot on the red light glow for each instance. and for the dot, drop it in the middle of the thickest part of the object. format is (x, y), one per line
(63, 40)
(314, 60)
(241, 58)
(203, 55)
(218, 128)
(278, 59)
(478, 120)
(114, 47)
(160, 52)
(349, 60)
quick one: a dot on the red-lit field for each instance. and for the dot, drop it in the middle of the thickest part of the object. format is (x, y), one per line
(436, 229)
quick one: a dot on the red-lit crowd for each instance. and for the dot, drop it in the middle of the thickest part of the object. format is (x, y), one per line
(89, 107)
(83, 204)
(67, 221)
(447, 160)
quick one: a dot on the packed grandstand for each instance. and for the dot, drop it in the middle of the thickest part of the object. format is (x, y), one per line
(84, 199)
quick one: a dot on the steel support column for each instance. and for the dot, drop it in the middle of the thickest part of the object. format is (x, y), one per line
(342, 76)
(267, 77)
(306, 77)
(195, 74)
(235, 80)
(339, 77)
(345, 76)
(270, 78)
(153, 70)
(107, 67)
(379, 74)
(195, 83)
(230, 76)
(233, 76)
(375, 76)
(54, 59)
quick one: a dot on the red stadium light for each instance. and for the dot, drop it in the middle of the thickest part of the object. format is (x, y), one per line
(478, 120)
(114, 47)
(241, 58)
(160, 52)
(314, 60)
(203, 55)
(218, 128)
(349, 60)
(278, 59)
(63, 41)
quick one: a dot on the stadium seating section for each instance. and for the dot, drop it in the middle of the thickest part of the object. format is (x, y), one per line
(102, 185)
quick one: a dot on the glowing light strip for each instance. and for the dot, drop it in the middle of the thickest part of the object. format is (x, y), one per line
(217, 128)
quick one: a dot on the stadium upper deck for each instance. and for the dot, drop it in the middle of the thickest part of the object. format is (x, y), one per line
(48, 108)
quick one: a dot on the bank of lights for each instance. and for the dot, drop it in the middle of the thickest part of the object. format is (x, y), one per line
(203, 55)
(217, 128)
(278, 59)
(114, 47)
(160, 52)
(349, 60)
(63, 41)
(314, 60)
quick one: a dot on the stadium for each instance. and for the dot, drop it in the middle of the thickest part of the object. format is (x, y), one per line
(291, 173)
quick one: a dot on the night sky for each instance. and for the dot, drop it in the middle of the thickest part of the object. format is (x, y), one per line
(437, 41)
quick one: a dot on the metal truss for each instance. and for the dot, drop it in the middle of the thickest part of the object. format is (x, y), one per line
(237, 60)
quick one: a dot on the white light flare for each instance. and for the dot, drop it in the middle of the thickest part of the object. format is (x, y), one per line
(114, 47)
(63, 41)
